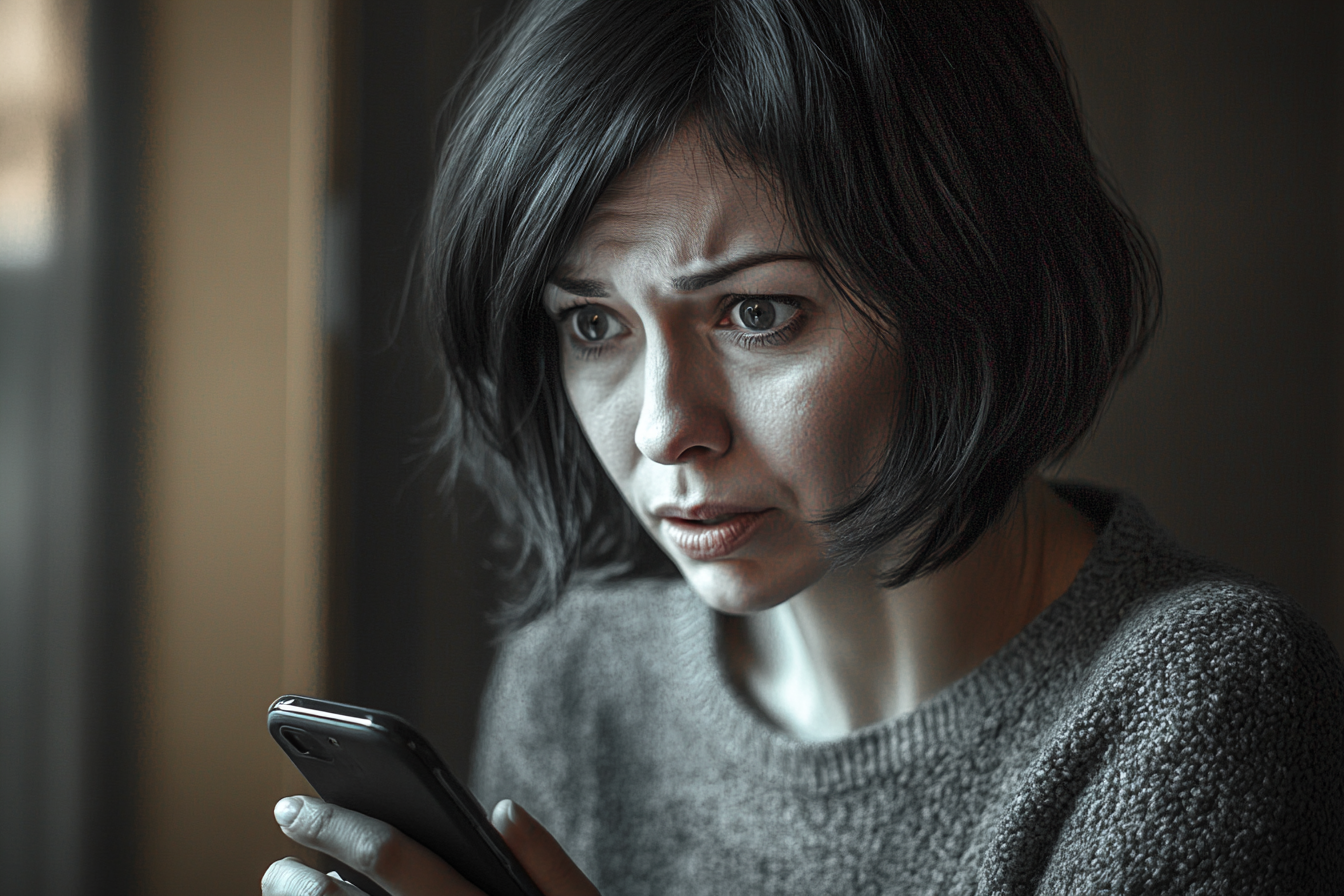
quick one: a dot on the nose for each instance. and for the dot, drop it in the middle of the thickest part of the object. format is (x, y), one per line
(684, 411)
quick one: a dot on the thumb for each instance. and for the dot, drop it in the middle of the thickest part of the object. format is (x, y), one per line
(545, 861)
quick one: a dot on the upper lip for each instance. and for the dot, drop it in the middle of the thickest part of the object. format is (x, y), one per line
(706, 511)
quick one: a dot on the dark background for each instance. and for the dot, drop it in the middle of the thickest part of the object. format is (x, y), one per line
(407, 572)
(1221, 124)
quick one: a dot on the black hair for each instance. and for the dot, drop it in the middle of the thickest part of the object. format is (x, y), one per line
(929, 150)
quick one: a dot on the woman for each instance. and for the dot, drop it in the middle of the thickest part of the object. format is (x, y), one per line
(801, 295)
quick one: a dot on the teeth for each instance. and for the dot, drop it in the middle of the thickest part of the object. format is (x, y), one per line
(716, 520)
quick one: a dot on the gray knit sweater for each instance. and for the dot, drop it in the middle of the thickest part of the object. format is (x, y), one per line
(1167, 726)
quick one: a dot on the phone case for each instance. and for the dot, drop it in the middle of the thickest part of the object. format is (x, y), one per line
(375, 763)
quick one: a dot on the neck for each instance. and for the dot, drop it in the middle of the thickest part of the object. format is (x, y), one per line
(847, 653)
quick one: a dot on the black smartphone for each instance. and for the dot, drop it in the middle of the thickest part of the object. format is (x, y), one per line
(375, 763)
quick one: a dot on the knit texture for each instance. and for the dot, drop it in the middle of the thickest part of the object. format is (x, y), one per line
(1169, 725)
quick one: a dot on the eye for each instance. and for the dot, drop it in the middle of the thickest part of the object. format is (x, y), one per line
(593, 324)
(758, 314)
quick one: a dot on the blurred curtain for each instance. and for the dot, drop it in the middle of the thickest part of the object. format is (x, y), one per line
(70, 108)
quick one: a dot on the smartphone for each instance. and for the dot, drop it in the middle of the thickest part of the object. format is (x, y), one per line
(375, 763)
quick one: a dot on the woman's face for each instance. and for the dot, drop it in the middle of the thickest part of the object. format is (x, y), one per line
(731, 395)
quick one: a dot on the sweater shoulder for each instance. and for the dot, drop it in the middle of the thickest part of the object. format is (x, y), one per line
(1212, 707)
(1192, 642)
(1213, 626)
(1155, 607)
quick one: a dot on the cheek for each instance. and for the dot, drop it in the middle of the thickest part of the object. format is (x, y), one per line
(607, 406)
(824, 423)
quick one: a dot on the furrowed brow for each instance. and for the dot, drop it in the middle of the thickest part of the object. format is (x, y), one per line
(717, 273)
(588, 289)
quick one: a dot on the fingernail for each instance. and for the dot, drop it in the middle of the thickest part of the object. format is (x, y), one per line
(287, 810)
(504, 816)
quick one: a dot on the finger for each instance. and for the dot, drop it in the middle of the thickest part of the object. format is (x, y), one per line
(541, 856)
(372, 847)
(290, 877)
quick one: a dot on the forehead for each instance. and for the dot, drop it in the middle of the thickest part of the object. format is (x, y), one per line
(684, 204)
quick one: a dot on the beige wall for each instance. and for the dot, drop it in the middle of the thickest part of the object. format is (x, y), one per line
(231, 429)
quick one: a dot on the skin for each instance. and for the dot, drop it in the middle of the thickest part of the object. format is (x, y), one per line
(400, 865)
(727, 440)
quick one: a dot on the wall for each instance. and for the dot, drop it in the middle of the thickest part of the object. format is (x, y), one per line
(1220, 122)
(232, 471)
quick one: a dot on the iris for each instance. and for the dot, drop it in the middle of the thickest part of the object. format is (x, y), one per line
(591, 324)
(758, 314)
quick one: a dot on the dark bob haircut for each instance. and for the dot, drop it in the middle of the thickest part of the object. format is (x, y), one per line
(929, 151)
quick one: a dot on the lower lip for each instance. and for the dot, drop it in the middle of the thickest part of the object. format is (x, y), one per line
(699, 541)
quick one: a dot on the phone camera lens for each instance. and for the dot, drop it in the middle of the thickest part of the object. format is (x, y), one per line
(296, 740)
(306, 744)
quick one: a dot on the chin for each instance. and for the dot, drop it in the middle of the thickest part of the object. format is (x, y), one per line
(742, 587)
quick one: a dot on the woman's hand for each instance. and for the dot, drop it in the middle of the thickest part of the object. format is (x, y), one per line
(399, 864)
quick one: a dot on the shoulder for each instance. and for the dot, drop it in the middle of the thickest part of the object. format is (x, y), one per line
(1191, 630)
(1157, 610)
(1223, 712)
(1220, 672)
(1204, 650)
(1206, 723)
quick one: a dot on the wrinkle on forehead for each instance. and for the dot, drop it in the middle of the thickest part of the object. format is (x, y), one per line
(684, 205)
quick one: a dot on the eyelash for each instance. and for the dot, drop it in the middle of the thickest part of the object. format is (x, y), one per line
(745, 339)
(588, 352)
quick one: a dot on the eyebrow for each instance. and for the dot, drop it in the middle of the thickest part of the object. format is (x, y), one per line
(588, 289)
(595, 289)
(729, 268)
